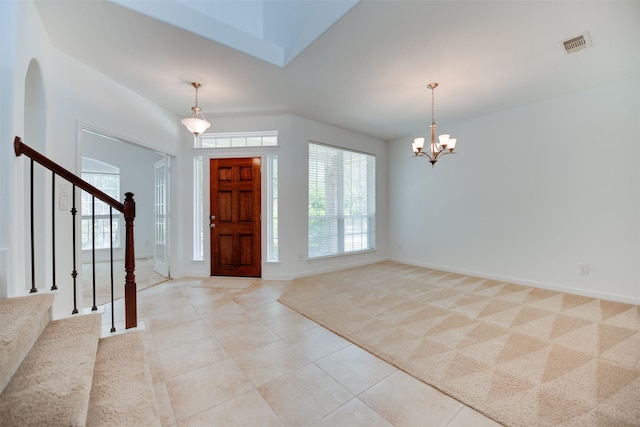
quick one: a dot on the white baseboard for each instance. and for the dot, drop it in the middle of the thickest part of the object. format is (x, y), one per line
(524, 282)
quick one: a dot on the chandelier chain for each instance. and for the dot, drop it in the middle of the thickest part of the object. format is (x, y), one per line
(433, 108)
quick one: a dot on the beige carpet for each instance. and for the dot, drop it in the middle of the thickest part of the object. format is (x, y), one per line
(121, 360)
(58, 367)
(23, 319)
(522, 356)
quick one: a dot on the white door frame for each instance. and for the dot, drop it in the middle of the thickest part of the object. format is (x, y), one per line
(161, 216)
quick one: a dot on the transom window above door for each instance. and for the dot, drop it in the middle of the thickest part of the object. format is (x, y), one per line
(237, 140)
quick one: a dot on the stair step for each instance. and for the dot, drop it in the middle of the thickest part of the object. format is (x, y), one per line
(122, 392)
(23, 319)
(52, 385)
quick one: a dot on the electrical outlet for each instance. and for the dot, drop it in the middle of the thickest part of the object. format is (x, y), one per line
(583, 268)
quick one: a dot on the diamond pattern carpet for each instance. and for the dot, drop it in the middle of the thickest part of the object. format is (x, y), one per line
(522, 356)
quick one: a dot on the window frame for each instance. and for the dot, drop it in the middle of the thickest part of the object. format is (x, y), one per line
(197, 252)
(86, 218)
(267, 153)
(338, 240)
(236, 140)
(272, 208)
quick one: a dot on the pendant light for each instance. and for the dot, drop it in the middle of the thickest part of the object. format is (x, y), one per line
(444, 144)
(197, 123)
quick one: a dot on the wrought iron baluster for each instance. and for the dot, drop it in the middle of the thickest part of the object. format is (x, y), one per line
(127, 208)
(74, 273)
(33, 253)
(113, 322)
(53, 231)
(93, 248)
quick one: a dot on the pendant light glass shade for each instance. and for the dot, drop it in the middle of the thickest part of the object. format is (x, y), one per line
(195, 125)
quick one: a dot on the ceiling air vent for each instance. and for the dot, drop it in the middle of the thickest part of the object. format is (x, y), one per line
(577, 43)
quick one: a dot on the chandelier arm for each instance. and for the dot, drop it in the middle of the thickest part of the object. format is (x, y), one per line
(424, 154)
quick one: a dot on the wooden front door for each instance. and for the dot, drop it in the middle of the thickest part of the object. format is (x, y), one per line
(234, 217)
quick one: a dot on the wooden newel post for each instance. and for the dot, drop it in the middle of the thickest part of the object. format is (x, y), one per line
(131, 315)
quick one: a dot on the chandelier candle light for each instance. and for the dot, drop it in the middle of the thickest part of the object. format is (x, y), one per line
(443, 145)
(197, 123)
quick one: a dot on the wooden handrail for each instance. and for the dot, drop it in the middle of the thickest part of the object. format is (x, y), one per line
(128, 208)
(21, 148)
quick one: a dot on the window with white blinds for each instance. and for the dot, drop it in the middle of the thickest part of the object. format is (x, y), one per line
(341, 201)
(109, 183)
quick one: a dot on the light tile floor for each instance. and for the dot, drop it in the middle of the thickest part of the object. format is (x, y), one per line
(227, 353)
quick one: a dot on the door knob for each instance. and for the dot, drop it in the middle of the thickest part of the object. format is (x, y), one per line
(213, 217)
(212, 225)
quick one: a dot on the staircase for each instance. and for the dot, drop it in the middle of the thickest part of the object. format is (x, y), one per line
(61, 373)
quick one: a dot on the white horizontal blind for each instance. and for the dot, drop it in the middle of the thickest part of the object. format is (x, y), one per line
(110, 184)
(341, 201)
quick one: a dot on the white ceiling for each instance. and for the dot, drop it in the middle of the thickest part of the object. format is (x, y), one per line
(368, 72)
(275, 31)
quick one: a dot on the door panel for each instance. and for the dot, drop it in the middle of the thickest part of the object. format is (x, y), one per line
(235, 217)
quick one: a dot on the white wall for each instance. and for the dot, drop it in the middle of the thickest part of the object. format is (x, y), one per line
(294, 134)
(534, 192)
(85, 98)
(76, 96)
(8, 35)
(14, 24)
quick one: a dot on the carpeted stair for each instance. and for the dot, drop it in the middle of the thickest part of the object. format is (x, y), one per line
(61, 373)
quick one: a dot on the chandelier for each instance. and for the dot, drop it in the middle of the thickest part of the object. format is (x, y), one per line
(443, 145)
(197, 123)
